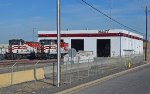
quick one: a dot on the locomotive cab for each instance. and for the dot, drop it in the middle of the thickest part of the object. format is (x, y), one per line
(48, 48)
(44, 51)
(14, 43)
(20, 49)
(14, 49)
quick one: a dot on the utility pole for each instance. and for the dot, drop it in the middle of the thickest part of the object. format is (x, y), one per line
(146, 33)
(58, 43)
(33, 33)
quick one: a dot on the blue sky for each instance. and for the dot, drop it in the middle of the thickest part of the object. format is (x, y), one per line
(19, 17)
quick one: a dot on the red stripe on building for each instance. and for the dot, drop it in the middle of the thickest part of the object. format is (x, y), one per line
(92, 35)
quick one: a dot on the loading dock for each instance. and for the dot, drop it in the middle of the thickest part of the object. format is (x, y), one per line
(103, 47)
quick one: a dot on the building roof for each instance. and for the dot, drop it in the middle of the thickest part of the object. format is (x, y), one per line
(92, 31)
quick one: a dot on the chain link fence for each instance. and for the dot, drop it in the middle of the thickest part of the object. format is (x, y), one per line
(71, 72)
(148, 55)
(17, 77)
(28, 78)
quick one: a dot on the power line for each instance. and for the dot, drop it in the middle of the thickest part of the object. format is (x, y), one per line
(110, 12)
(110, 17)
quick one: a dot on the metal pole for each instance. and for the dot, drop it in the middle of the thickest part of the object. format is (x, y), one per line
(33, 34)
(58, 43)
(120, 43)
(33, 37)
(146, 35)
(53, 74)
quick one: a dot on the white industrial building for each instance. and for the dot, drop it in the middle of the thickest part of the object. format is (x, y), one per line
(116, 42)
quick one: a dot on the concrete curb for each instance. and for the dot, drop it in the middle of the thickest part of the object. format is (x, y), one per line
(92, 83)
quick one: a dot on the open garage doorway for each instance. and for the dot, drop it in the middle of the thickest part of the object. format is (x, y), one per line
(77, 44)
(103, 47)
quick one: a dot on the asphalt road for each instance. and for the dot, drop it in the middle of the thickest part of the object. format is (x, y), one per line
(136, 82)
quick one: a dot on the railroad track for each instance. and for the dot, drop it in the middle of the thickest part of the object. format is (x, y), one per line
(25, 61)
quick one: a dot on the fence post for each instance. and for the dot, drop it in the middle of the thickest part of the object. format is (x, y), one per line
(66, 71)
(78, 67)
(11, 79)
(120, 62)
(53, 74)
(88, 68)
(70, 71)
(12, 75)
(34, 71)
(97, 68)
(35, 65)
